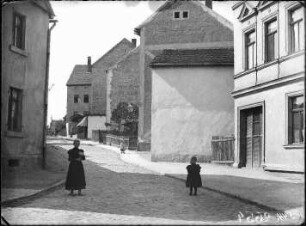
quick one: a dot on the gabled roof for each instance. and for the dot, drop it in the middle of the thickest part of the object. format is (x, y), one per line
(168, 3)
(123, 41)
(194, 57)
(79, 76)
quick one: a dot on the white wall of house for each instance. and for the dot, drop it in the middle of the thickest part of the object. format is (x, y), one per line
(95, 123)
(189, 106)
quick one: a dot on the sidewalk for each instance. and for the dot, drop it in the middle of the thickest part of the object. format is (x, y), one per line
(20, 185)
(282, 192)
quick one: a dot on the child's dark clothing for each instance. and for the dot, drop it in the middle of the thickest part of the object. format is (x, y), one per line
(193, 177)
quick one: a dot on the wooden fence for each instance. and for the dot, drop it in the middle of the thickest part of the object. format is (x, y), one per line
(223, 148)
(131, 142)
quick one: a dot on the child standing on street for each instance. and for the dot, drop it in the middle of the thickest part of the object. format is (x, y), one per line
(122, 148)
(193, 178)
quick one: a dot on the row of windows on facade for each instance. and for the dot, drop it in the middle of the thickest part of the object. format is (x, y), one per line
(77, 99)
(295, 115)
(295, 38)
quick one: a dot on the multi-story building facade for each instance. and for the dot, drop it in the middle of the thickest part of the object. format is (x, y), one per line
(24, 82)
(269, 85)
(86, 88)
(79, 93)
(175, 25)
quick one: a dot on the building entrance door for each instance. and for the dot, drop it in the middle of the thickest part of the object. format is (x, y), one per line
(251, 125)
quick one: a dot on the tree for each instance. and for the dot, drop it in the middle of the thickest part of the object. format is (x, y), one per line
(76, 118)
(127, 115)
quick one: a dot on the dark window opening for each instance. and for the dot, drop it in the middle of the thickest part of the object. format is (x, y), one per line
(13, 162)
(185, 14)
(270, 40)
(86, 98)
(14, 109)
(176, 15)
(76, 98)
(19, 31)
(250, 45)
(295, 30)
(296, 122)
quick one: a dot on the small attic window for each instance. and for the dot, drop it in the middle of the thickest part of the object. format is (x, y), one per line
(185, 14)
(176, 15)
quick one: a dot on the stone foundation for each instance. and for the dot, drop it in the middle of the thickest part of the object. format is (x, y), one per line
(144, 146)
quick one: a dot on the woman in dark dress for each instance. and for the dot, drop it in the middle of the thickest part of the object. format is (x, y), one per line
(193, 178)
(75, 178)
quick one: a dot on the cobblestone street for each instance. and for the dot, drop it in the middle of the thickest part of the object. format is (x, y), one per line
(120, 193)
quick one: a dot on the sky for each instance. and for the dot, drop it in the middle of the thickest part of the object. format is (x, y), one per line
(91, 28)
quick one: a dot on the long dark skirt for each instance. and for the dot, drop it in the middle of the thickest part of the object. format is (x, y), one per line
(193, 180)
(75, 177)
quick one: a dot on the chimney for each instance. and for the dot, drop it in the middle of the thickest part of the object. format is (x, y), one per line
(208, 3)
(89, 64)
(134, 41)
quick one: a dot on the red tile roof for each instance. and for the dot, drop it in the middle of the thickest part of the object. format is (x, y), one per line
(194, 57)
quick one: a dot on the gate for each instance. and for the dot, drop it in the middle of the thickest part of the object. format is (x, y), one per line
(223, 148)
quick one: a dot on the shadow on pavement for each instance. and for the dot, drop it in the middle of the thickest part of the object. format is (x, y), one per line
(146, 195)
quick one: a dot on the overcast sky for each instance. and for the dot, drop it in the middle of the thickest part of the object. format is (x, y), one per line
(91, 28)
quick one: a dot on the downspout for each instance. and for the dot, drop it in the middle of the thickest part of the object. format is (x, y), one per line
(46, 94)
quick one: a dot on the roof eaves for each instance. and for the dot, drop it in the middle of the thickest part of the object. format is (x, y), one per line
(155, 65)
(78, 84)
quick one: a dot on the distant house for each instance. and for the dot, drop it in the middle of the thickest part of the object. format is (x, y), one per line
(57, 127)
(24, 82)
(175, 25)
(269, 85)
(79, 94)
(191, 102)
(123, 83)
(86, 90)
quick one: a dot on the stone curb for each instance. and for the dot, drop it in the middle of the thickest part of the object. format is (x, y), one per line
(36, 194)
